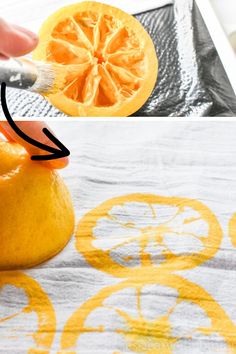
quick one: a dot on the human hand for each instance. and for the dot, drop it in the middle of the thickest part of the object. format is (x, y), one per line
(15, 41)
(34, 130)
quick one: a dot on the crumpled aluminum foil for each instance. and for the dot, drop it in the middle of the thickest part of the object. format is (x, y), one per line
(192, 81)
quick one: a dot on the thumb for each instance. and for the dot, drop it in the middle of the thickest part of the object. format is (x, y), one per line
(34, 130)
(15, 41)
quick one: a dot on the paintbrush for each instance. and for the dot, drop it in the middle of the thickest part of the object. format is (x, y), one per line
(43, 78)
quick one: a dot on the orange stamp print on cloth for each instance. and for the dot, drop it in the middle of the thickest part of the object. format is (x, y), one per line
(232, 229)
(161, 314)
(27, 317)
(141, 232)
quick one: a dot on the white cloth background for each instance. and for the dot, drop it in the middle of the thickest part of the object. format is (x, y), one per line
(181, 159)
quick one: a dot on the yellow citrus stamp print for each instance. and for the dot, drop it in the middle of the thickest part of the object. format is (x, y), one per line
(25, 310)
(152, 316)
(144, 231)
(232, 229)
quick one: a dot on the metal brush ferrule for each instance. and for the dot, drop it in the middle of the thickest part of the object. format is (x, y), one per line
(18, 73)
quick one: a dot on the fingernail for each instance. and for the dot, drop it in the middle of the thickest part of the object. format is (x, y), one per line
(3, 57)
(57, 164)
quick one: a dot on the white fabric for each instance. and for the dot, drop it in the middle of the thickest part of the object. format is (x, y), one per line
(33, 13)
(193, 160)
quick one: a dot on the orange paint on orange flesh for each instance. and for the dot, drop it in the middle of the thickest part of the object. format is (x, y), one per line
(108, 61)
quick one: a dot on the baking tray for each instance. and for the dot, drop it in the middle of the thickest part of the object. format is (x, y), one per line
(192, 81)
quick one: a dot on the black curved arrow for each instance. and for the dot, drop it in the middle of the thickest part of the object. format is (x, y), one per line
(62, 151)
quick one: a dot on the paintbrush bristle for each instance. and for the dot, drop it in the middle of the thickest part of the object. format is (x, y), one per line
(50, 78)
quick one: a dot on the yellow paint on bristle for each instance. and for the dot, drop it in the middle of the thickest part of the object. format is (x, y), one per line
(60, 73)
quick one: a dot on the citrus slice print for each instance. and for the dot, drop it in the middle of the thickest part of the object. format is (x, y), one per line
(141, 232)
(232, 229)
(27, 318)
(162, 314)
(107, 58)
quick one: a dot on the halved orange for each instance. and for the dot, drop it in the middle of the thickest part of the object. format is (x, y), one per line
(36, 211)
(141, 232)
(107, 59)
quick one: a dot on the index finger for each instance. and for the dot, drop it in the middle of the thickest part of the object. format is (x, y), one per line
(35, 131)
(15, 41)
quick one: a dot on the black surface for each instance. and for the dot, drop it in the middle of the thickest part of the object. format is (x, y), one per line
(192, 80)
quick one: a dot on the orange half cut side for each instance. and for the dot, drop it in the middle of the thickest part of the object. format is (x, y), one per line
(107, 59)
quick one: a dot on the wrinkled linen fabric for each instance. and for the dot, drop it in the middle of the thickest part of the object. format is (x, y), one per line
(152, 266)
(191, 81)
